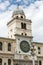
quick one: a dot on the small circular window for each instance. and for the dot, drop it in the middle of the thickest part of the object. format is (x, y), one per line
(21, 16)
(17, 17)
(22, 33)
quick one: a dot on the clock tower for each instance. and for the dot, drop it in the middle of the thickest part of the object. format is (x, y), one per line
(19, 28)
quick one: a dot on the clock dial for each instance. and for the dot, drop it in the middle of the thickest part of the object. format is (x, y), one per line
(25, 47)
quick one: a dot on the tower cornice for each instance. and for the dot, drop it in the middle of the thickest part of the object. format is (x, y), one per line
(27, 20)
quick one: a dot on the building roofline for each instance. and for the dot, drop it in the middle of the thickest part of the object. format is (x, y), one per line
(40, 56)
(37, 42)
(23, 60)
(19, 60)
(7, 38)
(19, 19)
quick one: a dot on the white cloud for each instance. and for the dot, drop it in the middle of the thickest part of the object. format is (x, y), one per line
(18, 0)
(25, 1)
(3, 5)
(0, 0)
(12, 7)
(35, 13)
(4, 18)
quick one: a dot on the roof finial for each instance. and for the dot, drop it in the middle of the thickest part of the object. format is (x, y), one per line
(18, 5)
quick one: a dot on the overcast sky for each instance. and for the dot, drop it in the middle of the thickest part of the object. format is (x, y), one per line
(33, 10)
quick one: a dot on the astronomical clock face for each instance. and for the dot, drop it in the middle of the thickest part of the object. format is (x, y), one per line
(24, 46)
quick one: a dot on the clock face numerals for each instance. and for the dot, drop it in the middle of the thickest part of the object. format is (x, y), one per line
(25, 47)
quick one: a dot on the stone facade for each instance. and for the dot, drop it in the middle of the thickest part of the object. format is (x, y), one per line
(19, 30)
(20, 59)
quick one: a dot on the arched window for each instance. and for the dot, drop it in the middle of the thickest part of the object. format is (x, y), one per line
(4, 63)
(39, 50)
(9, 47)
(0, 61)
(24, 25)
(0, 45)
(9, 61)
(16, 63)
(40, 63)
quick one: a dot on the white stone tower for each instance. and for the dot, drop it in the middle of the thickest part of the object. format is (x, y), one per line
(19, 28)
(19, 24)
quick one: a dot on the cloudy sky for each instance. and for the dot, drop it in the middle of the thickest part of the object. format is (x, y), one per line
(33, 10)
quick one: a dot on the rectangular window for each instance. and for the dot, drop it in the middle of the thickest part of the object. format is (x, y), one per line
(40, 63)
(9, 47)
(39, 50)
(0, 45)
(22, 25)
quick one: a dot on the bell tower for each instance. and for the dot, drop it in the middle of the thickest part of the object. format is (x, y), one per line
(19, 28)
(19, 24)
